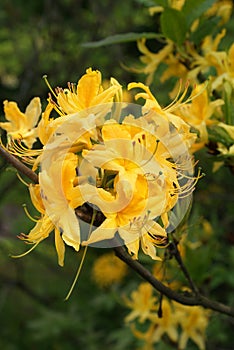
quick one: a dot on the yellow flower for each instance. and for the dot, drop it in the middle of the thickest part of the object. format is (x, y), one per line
(120, 211)
(183, 137)
(142, 303)
(108, 269)
(60, 195)
(199, 112)
(152, 60)
(194, 321)
(88, 92)
(224, 150)
(44, 126)
(143, 183)
(136, 192)
(22, 125)
(222, 9)
(167, 324)
(44, 226)
(55, 197)
(177, 4)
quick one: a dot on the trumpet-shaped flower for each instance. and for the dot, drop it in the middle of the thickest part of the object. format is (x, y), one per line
(183, 135)
(199, 112)
(136, 186)
(194, 322)
(87, 93)
(55, 197)
(167, 324)
(142, 303)
(21, 125)
(44, 225)
(60, 196)
(152, 60)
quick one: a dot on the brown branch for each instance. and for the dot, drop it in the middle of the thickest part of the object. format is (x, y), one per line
(85, 213)
(17, 164)
(174, 251)
(171, 294)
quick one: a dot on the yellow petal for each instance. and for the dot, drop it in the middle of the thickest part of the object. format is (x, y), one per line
(33, 112)
(89, 86)
(60, 247)
(106, 230)
(14, 115)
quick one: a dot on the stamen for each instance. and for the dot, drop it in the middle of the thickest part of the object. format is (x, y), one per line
(189, 187)
(56, 106)
(178, 101)
(49, 86)
(159, 241)
(153, 154)
(17, 148)
(28, 214)
(27, 252)
(22, 180)
(82, 259)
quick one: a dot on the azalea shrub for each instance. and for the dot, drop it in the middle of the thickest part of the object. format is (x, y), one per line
(112, 165)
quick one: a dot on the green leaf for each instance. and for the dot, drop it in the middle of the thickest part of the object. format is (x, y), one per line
(149, 3)
(173, 25)
(218, 134)
(205, 28)
(121, 38)
(193, 9)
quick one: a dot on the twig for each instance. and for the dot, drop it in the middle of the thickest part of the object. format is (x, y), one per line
(171, 294)
(173, 248)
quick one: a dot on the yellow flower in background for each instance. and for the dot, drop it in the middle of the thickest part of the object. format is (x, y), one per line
(179, 322)
(108, 270)
(224, 63)
(160, 326)
(193, 321)
(167, 324)
(22, 126)
(175, 68)
(222, 9)
(152, 60)
(199, 113)
(142, 302)
(177, 4)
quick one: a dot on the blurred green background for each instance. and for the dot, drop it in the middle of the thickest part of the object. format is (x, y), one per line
(45, 37)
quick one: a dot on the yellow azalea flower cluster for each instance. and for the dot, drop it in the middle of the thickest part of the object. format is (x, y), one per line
(178, 322)
(97, 154)
(197, 63)
(108, 270)
(191, 63)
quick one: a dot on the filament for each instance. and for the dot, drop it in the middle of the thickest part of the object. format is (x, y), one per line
(27, 252)
(82, 260)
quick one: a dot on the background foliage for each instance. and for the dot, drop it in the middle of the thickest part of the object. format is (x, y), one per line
(45, 37)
